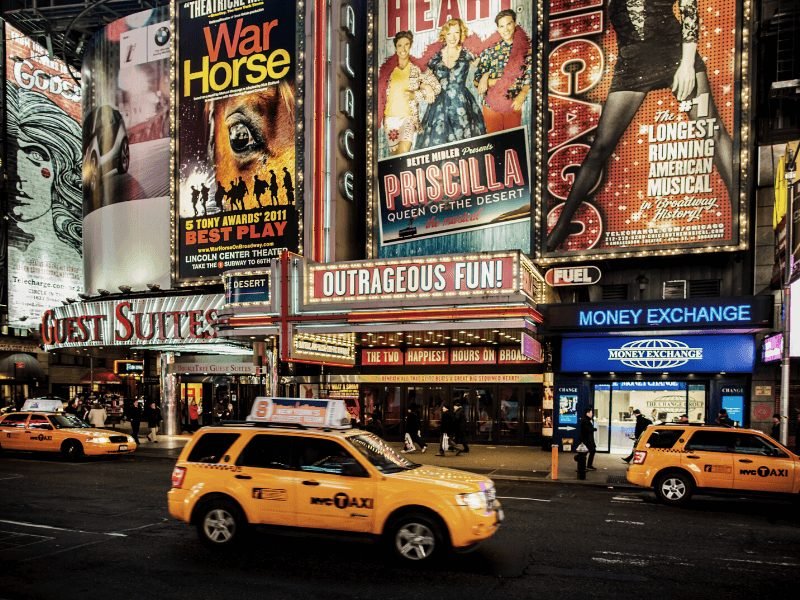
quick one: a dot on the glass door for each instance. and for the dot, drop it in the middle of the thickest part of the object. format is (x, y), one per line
(602, 415)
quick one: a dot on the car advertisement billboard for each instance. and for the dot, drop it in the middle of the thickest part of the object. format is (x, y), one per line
(44, 209)
(453, 99)
(642, 100)
(237, 202)
(126, 152)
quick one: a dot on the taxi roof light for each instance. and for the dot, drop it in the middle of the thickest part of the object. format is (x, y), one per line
(305, 412)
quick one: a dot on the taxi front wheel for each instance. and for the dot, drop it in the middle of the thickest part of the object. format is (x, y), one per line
(221, 524)
(72, 450)
(674, 488)
(416, 538)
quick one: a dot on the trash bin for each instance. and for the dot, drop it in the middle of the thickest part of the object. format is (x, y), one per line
(580, 457)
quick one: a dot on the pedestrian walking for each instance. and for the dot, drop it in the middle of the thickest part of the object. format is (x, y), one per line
(723, 419)
(776, 427)
(194, 417)
(135, 417)
(153, 420)
(641, 424)
(414, 430)
(587, 437)
(97, 415)
(445, 430)
(460, 427)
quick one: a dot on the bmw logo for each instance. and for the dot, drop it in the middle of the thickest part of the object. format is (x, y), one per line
(162, 35)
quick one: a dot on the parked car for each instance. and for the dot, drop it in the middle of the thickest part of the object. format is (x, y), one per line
(677, 460)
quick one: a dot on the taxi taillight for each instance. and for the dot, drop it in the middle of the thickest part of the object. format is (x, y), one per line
(178, 474)
(639, 456)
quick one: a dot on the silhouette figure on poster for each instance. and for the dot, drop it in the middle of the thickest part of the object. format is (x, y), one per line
(287, 185)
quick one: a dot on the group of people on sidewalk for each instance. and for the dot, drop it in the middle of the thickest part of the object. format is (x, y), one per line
(452, 430)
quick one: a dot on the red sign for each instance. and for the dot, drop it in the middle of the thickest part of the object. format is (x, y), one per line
(531, 348)
(510, 355)
(381, 356)
(434, 277)
(473, 356)
(426, 356)
(19, 365)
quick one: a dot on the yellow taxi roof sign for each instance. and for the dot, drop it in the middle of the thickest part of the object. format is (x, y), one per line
(43, 404)
(300, 411)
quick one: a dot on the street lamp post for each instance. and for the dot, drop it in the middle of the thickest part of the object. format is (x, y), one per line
(787, 296)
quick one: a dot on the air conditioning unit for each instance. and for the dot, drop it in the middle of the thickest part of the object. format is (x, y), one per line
(674, 290)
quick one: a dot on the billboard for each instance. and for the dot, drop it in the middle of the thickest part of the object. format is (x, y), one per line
(126, 129)
(639, 154)
(451, 129)
(237, 202)
(44, 206)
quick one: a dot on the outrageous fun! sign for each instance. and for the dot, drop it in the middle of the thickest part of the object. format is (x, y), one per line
(236, 198)
(642, 100)
(453, 111)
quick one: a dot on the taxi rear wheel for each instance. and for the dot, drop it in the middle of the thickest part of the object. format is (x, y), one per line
(416, 538)
(221, 523)
(674, 488)
(72, 450)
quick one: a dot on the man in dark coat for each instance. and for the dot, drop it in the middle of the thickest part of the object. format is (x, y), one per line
(641, 424)
(587, 437)
(135, 417)
(446, 429)
(460, 427)
(414, 427)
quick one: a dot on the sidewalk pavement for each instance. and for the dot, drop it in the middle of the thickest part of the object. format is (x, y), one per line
(507, 463)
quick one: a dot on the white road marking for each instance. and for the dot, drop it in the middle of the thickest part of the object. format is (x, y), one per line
(626, 499)
(621, 561)
(761, 562)
(521, 498)
(624, 522)
(12, 476)
(53, 528)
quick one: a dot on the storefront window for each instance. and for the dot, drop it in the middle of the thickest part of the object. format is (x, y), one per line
(602, 402)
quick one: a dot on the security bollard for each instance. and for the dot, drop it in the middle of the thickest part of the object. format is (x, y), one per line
(580, 457)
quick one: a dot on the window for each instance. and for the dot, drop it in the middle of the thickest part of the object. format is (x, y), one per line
(268, 452)
(15, 420)
(664, 438)
(712, 441)
(39, 422)
(211, 447)
(748, 443)
(326, 456)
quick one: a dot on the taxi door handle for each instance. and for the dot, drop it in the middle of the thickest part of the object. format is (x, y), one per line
(692, 456)
(745, 460)
(309, 482)
(243, 476)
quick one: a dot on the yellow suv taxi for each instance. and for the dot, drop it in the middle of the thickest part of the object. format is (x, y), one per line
(304, 473)
(677, 460)
(41, 427)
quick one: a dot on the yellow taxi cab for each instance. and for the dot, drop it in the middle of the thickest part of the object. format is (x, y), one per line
(677, 460)
(297, 463)
(40, 426)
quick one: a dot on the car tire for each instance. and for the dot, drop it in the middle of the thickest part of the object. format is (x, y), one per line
(674, 488)
(221, 523)
(415, 538)
(72, 450)
(124, 160)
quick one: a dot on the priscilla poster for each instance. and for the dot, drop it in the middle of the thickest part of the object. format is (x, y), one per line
(453, 112)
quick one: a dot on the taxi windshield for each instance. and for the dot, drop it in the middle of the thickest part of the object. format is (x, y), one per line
(380, 454)
(67, 420)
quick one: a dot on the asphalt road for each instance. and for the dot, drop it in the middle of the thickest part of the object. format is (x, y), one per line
(99, 529)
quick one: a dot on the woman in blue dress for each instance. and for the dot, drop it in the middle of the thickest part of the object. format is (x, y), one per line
(454, 115)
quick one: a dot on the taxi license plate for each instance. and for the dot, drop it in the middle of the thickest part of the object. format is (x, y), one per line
(123, 447)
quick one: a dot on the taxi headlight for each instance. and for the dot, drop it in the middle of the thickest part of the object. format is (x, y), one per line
(99, 440)
(475, 500)
(131, 440)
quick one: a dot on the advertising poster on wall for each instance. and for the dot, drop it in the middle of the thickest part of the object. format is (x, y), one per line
(43, 111)
(642, 99)
(125, 78)
(453, 112)
(237, 201)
